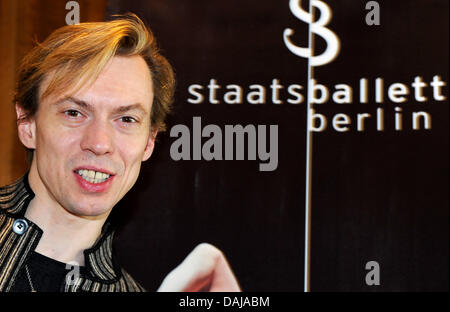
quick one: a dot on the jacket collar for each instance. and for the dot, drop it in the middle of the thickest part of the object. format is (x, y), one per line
(100, 266)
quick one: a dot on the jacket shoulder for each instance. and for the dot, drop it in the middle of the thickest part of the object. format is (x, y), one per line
(11, 188)
(10, 195)
(129, 283)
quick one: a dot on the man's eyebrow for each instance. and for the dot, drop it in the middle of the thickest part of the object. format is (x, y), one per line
(75, 101)
(127, 108)
(121, 109)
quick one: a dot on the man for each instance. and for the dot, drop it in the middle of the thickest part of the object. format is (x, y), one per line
(90, 101)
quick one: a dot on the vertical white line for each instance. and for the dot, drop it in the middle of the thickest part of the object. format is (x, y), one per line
(308, 163)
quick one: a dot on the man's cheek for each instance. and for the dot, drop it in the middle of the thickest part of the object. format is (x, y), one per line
(133, 166)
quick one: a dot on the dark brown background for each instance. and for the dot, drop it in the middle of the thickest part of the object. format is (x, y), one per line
(379, 196)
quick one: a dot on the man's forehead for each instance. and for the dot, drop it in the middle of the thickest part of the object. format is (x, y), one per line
(124, 81)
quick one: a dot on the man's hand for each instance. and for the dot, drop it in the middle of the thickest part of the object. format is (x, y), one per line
(204, 269)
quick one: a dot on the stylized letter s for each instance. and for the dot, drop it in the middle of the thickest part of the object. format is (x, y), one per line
(317, 28)
(296, 9)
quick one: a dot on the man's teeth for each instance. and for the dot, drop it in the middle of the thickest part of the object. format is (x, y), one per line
(93, 176)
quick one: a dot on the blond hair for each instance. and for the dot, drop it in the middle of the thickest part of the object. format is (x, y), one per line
(76, 54)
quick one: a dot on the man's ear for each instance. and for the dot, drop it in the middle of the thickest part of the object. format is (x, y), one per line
(150, 145)
(26, 128)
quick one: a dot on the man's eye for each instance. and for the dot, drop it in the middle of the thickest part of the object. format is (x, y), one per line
(128, 119)
(72, 113)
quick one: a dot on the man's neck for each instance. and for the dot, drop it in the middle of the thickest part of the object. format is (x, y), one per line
(65, 235)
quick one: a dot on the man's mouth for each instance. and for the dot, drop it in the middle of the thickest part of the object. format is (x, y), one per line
(93, 176)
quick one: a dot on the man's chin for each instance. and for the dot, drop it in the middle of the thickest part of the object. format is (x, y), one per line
(93, 212)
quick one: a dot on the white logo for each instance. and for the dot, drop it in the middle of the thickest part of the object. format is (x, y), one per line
(317, 28)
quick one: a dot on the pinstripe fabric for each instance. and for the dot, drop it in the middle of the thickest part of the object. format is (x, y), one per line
(103, 275)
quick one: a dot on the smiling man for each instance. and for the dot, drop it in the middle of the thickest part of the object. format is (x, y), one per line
(90, 101)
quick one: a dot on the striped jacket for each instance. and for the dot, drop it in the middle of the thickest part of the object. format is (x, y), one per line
(102, 273)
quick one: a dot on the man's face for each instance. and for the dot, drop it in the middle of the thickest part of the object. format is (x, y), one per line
(89, 146)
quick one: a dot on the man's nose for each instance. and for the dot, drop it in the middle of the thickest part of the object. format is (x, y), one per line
(98, 138)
